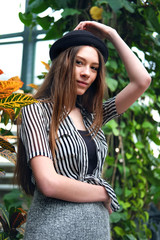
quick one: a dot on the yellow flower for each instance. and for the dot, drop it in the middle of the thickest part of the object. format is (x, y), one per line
(96, 13)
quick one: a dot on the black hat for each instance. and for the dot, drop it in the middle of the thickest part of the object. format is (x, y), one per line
(78, 38)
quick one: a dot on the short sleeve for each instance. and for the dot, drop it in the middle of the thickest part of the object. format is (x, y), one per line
(33, 132)
(109, 110)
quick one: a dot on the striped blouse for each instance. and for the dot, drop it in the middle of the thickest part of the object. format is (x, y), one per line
(71, 156)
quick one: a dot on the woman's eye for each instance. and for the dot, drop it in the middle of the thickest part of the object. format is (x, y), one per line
(78, 62)
(95, 68)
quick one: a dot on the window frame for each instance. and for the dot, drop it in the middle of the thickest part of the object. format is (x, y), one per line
(29, 40)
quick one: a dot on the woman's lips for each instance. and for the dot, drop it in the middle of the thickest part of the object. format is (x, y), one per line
(82, 83)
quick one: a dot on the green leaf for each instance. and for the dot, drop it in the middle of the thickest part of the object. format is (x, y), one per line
(115, 132)
(115, 4)
(152, 19)
(13, 199)
(107, 130)
(115, 217)
(133, 224)
(119, 231)
(56, 31)
(156, 173)
(126, 205)
(140, 203)
(109, 173)
(142, 194)
(128, 6)
(26, 18)
(17, 100)
(118, 191)
(155, 139)
(139, 145)
(128, 192)
(154, 189)
(141, 178)
(61, 3)
(110, 46)
(112, 64)
(154, 160)
(141, 186)
(110, 160)
(130, 237)
(136, 108)
(111, 127)
(4, 213)
(122, 169)
(100, 2)
(128, 155)
(124, 216)
(146, 214)
(69, 12)
(112, 124)
(112, 83)
(122, 124)
(45, 22)
(147, 124)
(37, 6)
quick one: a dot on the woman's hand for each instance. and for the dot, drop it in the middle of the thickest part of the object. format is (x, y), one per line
(54, 185)
(107, 205)
(100, 30)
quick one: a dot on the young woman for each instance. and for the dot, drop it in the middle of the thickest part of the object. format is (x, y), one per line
(62, 147)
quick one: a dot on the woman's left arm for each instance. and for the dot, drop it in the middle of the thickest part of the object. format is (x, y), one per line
(138, 75)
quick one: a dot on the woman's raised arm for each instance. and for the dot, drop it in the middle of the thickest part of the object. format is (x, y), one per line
(138, 75)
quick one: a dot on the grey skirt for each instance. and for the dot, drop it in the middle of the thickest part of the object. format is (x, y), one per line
(53, 219)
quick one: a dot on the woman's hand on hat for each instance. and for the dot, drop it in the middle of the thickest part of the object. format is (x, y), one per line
(100, 30)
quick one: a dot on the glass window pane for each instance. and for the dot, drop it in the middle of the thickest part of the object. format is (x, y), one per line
(42, 54)
(9, 19)
(11, 60)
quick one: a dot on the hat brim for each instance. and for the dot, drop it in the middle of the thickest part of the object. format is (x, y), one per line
(78, 38)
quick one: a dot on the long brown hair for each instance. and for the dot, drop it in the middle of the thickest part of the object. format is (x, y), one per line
(59, 87)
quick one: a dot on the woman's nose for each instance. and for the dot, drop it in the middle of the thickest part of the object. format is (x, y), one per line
(85, 71)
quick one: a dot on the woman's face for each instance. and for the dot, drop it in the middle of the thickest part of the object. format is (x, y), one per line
(87, 64)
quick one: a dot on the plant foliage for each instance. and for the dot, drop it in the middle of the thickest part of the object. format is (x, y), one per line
(12, 215)
(10, 105)
(11, 222)
(10, 86)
